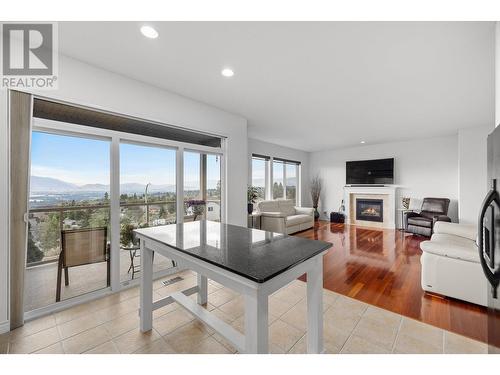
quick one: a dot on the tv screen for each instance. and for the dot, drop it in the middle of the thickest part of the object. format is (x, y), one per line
(370, 172)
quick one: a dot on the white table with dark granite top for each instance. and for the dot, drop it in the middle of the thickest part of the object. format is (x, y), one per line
(252, 262)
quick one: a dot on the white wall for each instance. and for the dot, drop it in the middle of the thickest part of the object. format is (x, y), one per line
(472, 171)
(270, 149)
(423, 168)
(94, 87)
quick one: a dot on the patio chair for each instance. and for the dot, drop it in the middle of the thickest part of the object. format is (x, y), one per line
(81, 247)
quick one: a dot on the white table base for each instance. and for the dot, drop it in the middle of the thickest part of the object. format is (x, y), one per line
(255, 339)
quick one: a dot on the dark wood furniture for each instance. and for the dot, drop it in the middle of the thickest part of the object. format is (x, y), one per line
(80, 247)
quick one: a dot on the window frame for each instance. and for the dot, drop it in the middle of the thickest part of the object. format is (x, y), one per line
(267, 174)
(297, 164)
(115, 138)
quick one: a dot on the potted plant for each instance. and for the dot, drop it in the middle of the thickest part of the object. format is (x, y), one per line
(315, 194)
(127, 238)
(127, 235)
(252, 195)
(197, 207)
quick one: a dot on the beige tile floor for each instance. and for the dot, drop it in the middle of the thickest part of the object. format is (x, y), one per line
(110, 325)
(41, 281)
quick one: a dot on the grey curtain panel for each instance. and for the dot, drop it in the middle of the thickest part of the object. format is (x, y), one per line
(21, 110)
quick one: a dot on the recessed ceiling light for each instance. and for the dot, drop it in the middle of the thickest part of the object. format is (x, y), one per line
(149, 32)
(362, 142)
(226, 72)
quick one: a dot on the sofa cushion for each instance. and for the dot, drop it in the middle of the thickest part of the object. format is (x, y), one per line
(297, 219)
(268, 206)
(287, 206)
(468, 231)
(451, 246)
(420, 221)
(435, 205)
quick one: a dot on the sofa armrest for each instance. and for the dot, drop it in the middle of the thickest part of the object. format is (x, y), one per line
(407, 215)
(437, 218)
(468, 231)
(304, 211)
(273, 223)
(273, 214)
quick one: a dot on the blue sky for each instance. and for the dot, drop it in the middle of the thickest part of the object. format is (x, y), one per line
(259, 172)
(86, 161)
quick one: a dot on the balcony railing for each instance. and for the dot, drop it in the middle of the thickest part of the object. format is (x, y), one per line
(146, 215)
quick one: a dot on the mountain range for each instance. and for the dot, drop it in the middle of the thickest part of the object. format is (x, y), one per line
(262, 181)
(41, 184)
(53, 185)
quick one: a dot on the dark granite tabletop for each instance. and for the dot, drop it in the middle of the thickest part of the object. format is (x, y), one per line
(255, 254)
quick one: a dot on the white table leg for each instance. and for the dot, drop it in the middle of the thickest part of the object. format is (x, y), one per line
(146, 288)
(203, 289)
(315, 308)
(256, 323)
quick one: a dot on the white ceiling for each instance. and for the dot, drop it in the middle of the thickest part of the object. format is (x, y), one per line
(311, 86)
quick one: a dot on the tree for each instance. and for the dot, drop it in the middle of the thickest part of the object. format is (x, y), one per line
(49, 231)
(277, 190)
(162, 212)
(33, 253)
(217, 190)
(106, 196)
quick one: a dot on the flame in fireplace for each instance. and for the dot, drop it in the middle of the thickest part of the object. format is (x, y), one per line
(370, 211)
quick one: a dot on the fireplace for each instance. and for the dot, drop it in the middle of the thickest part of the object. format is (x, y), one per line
(370, 209)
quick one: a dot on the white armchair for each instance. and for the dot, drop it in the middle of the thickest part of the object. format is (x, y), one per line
(450, 263)
(282, 216)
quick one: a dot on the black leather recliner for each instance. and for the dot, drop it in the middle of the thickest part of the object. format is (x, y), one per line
(433, 210)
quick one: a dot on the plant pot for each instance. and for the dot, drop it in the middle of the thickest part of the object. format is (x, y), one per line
(250, 208)
(316, 214)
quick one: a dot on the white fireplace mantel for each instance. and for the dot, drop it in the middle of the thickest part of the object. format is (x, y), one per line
(389, 194)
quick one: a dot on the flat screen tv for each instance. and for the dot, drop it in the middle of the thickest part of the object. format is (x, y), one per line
(370, 172)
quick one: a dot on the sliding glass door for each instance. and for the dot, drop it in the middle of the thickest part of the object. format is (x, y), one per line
(213, 187)
(90, 188)
(202, 186)
(69, 196)
(147, 198)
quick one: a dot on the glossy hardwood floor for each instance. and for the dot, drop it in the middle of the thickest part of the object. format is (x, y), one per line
(382, 267)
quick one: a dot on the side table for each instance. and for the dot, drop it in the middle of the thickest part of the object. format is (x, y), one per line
(403, 211)
(254, 220)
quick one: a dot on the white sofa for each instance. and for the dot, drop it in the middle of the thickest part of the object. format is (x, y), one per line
(450, 263)
(282, 216)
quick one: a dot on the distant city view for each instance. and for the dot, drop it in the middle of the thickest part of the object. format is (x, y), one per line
(69, 189)
(47, 191)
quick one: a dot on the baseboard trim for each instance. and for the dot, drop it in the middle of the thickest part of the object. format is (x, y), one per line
(4, 327)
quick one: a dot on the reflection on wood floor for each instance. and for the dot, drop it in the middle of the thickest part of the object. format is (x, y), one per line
(382, 267)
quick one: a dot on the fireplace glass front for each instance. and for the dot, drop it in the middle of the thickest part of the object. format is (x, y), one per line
(370, 210)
